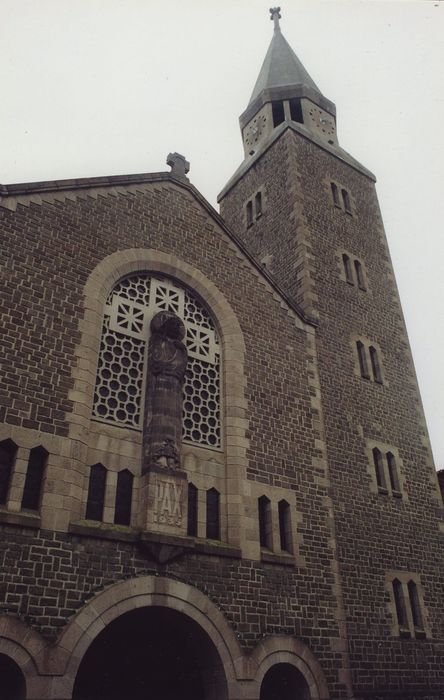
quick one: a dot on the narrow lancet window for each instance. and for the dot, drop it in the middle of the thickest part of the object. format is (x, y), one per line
(335, 194)
(264, 512)
(415, 606)
(398, 594)
(96, 493)
(258, 204)
(249, 213)
(393, 472)
(8, 451)
(34, 477)
(124, 495)
(376, 369)
(213, 516)
(284, 526)
(346, 200)
(347, 268)
(360, 276)
(379, 468)
(192, 511)
(362, 357)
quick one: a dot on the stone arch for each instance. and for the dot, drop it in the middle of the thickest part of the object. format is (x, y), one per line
(25, 647)
(109, 271)
(143, 592)
(288, 650)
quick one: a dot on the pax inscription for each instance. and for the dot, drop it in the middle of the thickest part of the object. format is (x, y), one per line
(167, 507)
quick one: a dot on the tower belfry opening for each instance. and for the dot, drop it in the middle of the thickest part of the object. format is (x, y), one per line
(285, 92)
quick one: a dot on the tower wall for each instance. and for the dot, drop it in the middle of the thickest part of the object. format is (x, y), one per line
(382, 534)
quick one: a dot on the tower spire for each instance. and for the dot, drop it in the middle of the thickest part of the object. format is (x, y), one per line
(285, 92)
(275, 13)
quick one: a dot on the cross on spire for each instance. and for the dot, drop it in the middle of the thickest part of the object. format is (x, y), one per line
(275, 13)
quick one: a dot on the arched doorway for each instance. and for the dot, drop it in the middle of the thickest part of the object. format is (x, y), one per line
(151, 652)
(284, 682)
(12, 680)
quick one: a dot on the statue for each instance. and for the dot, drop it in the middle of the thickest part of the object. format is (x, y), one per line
(167, 362)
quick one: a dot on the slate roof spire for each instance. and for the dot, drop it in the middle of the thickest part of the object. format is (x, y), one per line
(282, 77)
(281, 67)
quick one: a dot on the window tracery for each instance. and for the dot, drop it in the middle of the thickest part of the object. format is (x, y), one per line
(122, 366)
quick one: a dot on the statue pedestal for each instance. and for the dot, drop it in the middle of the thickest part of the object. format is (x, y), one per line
(165, 501)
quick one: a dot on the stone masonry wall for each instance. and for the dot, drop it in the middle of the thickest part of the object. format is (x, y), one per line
(48, 252)
(377, 533)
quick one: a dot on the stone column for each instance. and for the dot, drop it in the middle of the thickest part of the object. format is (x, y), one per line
(164, 491)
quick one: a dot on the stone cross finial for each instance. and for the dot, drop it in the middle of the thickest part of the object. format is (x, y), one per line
(178, 164)
(275, 13)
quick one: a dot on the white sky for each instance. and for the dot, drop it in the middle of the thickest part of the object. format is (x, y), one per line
(102, 87)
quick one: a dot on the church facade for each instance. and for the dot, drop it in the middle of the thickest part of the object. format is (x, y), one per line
(215, 476)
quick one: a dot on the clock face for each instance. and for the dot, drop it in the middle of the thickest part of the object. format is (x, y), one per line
(255, 130)
(323, 121)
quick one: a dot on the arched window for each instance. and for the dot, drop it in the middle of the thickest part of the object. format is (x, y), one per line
(376, 369)
(96, 493)
(192, 510)
(122, 366)
(347, 268)
(398, 595)
(265, 527)
(213, 517)
(34, 477)
(379, 468)
(8, 451)
(124, 496)
(393, 472)
(362, 357)
(285, 526)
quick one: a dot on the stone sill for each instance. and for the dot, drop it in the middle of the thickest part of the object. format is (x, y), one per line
(282, 559)
(193, 544)
(22, 519)
(104, 531)
(108, 531)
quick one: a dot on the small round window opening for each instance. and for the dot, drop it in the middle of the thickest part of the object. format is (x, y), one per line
(122, 366)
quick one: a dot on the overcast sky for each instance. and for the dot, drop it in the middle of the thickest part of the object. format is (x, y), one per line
(104, 87)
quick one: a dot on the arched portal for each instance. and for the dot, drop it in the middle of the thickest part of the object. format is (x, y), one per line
(151, 652)
(284, 682)
(12, 680)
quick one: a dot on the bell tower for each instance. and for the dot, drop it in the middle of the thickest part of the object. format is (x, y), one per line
(285, 92)
(308, 212)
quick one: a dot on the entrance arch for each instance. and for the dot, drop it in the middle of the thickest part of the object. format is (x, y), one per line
(12, 680)
(151, 652)
(284, 681)
(184, 608)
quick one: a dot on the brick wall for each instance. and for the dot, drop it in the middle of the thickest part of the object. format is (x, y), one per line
(49, 251)
(375, 532)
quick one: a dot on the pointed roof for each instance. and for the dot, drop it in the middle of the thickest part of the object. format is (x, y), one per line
(282, 77)
(281, 68)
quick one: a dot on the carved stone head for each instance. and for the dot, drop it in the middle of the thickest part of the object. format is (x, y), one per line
(167, 323)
